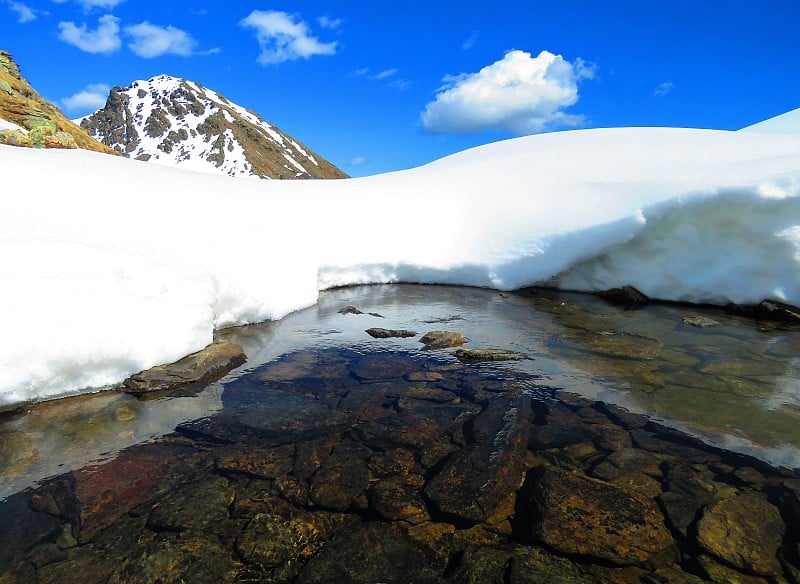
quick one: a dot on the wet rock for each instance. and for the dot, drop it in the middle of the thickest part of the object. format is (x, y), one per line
(442, 339)
(276, 418)
(418, 428)
(396, 461)
(383, 366)
(354, 310)
(627, 461)
(477, 478)
(310, 454)
(22, 526)
(699, 321)
(627, 296)
(84, 565)
(294, 490)
(205, 366)
(670, 575)
(93, 497)
(482, 565)
(533, 565)
(289, 367)
(582, 516)
(398, 498)
(623, 417)
(665, 441)
(372, 552)
(174, 561)
(423, 393)
(611, 437)
(745, 531)
(200, 506)
(382, 333)
(719, 573)
(272, 542)
(687, 494)
(266, 463)
(772, 310)
(474, 355)
(342, 478)
(424, 376)
(558, 426)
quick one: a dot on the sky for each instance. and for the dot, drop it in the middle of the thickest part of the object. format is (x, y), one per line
(379, 85)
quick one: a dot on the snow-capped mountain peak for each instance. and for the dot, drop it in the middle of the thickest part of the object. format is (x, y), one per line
(176, 122)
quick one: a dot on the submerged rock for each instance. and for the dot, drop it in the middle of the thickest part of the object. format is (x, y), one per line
(471, 355)
(576, 515)
(207, 365)
(745, 531)
(477, 478)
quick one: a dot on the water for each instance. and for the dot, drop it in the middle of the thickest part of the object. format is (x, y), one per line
(326, 428)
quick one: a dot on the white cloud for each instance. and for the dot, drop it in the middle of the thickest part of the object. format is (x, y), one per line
(358, 161)
(24, 12)
(89, 4)
(329, 23)
(519, 94)
(663, 89)
(385, 74)
(90, 98)
(149, 40)
(282, 38)
(470, 41)
(104, 39)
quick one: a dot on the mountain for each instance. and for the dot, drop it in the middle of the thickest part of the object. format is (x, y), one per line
(27, 119)
(176, 122)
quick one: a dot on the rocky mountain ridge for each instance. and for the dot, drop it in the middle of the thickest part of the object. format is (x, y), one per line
(27, 119)
(177, 122)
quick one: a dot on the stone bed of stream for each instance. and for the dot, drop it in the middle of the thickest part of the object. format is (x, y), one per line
(626, 446)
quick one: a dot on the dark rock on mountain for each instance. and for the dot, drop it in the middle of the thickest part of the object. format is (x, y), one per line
(176, 122)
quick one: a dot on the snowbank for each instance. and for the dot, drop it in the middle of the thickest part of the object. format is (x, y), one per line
(109, 266)
(6, 125)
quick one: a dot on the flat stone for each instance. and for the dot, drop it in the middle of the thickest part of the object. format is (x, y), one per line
(382, 333)
(276, 418)
(372, 552)
(200, 506)
(265, 463)
(398, 498)
(745, 531)
(205, 366)
(533, 565)
(477, 478)
(274, 542)
(626, 461)
(576, 515)
(474, 355)
(442, 339)
(699, 321)
(342, 478)
(383, 366)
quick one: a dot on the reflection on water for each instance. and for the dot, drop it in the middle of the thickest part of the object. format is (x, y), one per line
(730, 382)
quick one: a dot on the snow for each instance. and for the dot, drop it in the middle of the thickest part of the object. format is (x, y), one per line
(109, 266)
(788, 123)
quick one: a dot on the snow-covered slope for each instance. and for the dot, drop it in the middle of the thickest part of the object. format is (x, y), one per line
(788, 123)
(176, 122)
(109, 266)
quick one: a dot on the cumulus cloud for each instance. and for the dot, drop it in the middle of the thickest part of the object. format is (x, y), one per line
(24, 12)
(90, 98)
(519, 93)
(663, 89)
(149, 40)
(104, 39)
(284, 38)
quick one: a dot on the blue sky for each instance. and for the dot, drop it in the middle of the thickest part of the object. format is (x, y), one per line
(378, 85)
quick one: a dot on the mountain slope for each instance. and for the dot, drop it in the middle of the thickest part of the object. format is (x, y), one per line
(27, 119)
(176, 122)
